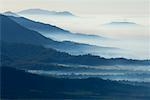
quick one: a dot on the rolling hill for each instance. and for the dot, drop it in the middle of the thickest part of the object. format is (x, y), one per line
(15, 33)
(14, 54)
(52, 31)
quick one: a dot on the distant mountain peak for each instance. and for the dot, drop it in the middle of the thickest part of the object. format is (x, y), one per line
(45, 12)
(9, 13)
(123, 22)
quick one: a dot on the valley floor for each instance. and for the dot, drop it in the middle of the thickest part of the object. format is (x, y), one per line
(19, 84)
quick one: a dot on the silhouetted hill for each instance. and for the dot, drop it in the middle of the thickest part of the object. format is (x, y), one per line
(24, 53)
(18, 84)
(52, 31)
(15, 33)
(38, 26)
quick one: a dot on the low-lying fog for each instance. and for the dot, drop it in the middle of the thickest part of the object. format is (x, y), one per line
(130, 73)
(134, 39)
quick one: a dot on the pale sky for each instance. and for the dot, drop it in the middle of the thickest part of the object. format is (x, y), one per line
(112, 7)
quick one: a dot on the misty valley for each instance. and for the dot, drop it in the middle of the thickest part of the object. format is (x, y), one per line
(46, 55)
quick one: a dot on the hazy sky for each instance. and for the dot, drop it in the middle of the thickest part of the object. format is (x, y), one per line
(115, 7)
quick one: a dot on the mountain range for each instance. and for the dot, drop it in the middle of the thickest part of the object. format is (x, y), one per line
(24, 47)
(52, 31)
(14, 32)
(13, 53)
(45, 12)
